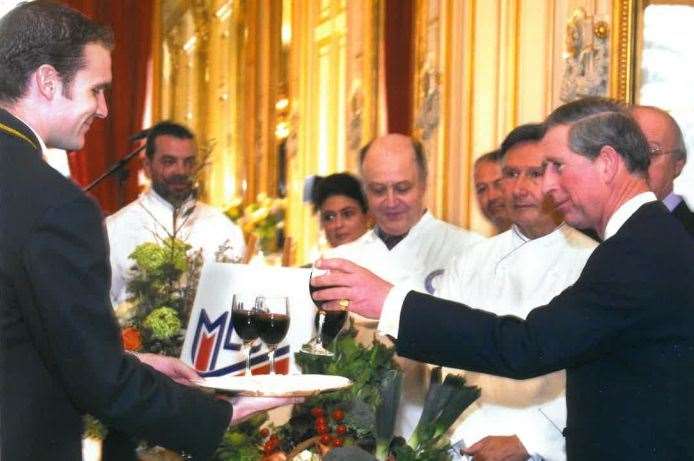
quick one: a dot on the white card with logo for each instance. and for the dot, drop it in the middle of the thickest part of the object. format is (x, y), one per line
(212, 345)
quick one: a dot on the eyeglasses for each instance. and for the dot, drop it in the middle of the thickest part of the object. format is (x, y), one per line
(655, 150)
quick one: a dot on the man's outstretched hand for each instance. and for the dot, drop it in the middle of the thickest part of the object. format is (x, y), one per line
(171, 367)
(498, 448)
(348, 285)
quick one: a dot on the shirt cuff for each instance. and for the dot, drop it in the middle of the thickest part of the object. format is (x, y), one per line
(389, 322)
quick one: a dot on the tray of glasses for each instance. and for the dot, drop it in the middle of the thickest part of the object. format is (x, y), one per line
(277, 385)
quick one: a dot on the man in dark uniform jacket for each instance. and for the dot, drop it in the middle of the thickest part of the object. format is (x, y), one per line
(624, 331)
(668, 157)
(60, 347)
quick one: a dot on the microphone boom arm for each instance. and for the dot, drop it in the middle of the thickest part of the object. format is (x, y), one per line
(114, 168)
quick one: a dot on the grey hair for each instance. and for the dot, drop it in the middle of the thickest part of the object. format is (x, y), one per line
(598, 122)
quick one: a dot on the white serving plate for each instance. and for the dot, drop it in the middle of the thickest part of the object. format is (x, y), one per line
(277, 385)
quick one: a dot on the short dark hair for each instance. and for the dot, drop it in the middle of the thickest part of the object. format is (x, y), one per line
(419, 157)
(337, 184)
(165, 127)
(42, 32)
(492, 156)
(530, 132)
(598, 122)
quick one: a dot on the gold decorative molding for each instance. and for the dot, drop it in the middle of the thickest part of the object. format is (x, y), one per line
(626, 15)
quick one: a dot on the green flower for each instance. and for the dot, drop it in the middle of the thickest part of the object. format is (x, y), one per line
(163, 322)
(153, 258)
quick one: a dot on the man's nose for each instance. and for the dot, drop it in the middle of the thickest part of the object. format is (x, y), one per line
(520, 187)
(180, 169)
(391, 199)
(549, 181)
(101, 106)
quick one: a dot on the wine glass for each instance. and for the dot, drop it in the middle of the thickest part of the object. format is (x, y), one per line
(323, 319)
(244, 318)
(272, 322)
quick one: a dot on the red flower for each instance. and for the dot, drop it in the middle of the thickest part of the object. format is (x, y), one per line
(131, 339)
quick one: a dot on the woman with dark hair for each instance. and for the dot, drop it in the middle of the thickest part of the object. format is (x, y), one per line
(343, 210)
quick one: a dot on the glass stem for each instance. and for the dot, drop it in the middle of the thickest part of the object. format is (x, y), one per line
(272, 360)
(321, 321)
(248, 359)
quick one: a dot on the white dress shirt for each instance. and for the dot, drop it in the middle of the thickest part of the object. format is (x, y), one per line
(511, 274)
(150, 218)
(417, 262)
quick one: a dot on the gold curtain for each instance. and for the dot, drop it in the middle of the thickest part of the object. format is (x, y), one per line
(333, 87)
(246, 74)
(215, 70)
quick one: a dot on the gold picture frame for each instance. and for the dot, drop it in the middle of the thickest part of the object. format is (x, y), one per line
(627, 16)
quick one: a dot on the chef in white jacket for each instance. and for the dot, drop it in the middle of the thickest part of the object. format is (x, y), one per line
(168, 208)
(519, 269)
(407, 245)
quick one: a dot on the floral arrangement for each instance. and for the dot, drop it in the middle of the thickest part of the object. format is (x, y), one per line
(162, 289)
(264, 218)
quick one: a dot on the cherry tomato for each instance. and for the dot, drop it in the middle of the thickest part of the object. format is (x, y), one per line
(317, 412)
(340, 429)
(338, 442)
(338, 414)
(322, 429)
(325, 439)
(269, 447)
(264, 432)
(321, 421)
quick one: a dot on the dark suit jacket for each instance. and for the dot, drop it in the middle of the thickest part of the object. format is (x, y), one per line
(60, 347)
(685, 216)
(624, 332)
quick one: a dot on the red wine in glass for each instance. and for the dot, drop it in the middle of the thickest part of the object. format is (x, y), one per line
(245, 324)
(272, 322)
(332, 325)
(244, 321)
(315, 345)
(272, 327)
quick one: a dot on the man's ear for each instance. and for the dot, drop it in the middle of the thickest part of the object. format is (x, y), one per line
(48, 81)
(679, 164)
(608, 163)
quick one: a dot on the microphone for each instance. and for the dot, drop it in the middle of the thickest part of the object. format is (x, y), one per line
(139, 135)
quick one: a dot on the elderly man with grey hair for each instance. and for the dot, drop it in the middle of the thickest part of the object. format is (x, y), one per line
(624, 331)
(668, 157)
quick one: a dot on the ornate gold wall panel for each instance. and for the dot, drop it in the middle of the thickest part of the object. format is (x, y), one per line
(218, 74)
(333, 88)
(497, 64)
(466, 51)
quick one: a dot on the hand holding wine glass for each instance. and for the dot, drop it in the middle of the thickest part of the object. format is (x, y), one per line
(327, 324)
(272, 322)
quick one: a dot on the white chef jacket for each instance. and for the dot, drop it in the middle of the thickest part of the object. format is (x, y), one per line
(510, 275)
(150, 219)
(417, 261)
